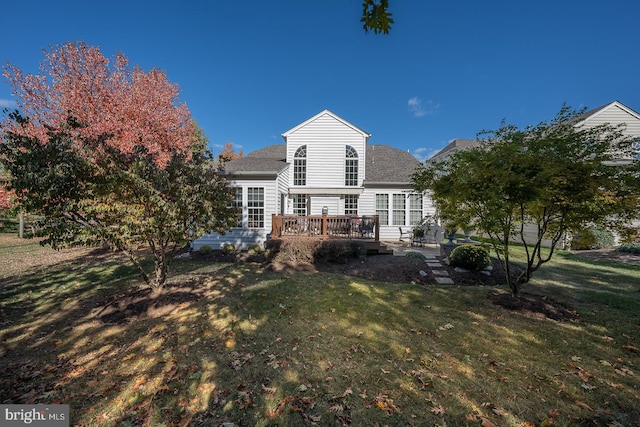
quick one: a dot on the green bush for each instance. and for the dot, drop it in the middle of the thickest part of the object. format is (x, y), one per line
(592, 238)
(631, 248)
(205, 250)
(254, 249)
(228, 248)
(471, 257)
(415, 255)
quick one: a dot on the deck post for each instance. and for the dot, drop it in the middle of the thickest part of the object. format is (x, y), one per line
(324, 226)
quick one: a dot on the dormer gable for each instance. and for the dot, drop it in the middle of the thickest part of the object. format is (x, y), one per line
(324, 114)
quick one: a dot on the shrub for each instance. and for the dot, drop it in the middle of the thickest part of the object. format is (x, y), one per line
(254, 249)
(205, 250)
(631, 248)
(228, 248)
(471, 257)
(335, 251)
(592, 238)
(291, 250)
(415, 255)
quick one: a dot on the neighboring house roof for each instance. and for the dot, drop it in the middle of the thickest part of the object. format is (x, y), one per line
(388, 165)
(329, 113)
(462, 144)
(453, 146)
(591, 114)
(384, 164)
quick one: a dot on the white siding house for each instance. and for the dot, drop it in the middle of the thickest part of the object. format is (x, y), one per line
(324, 163)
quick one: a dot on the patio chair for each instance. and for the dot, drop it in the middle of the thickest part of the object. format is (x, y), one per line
(405, 232)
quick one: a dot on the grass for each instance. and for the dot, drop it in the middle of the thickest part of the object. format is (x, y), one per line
(266, 348)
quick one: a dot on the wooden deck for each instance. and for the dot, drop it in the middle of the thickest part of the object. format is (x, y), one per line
(323, 227)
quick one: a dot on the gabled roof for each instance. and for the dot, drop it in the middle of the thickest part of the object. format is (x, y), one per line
(588, 115)
(327, 113)
(463, 144)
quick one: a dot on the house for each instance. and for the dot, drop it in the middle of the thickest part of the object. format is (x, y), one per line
(614, 113)
(325, 166)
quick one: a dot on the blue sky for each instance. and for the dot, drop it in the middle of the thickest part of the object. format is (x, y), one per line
(251, 70)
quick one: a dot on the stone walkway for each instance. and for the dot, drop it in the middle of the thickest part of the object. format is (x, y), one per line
(431, 253)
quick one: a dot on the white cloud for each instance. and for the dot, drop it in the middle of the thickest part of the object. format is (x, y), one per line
(7, 103)
(417, 109)
(423, 154)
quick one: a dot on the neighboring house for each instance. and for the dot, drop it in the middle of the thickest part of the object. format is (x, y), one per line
(325, 163)
(614, 113)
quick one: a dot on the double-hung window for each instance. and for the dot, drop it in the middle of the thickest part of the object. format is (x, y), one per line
(399, 207)
(351, 204)
(300, 204)
(382, 208)
(415, 208)
(237, 204)
(255, 207)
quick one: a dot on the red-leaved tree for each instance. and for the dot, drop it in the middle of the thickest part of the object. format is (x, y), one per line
(130, 105)
(105, 154)
(5, 197)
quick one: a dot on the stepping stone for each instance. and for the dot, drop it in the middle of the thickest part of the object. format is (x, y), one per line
(444, 281)
(440, 272)
(434, 264)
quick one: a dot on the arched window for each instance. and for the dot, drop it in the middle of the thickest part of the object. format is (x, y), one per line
(300, 166)
(351, 166)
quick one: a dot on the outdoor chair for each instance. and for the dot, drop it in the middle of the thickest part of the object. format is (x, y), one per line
(406, 232)
(430, 233)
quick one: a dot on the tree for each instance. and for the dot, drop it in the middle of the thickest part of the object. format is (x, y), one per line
(549, 179)
(6, 196)
(229, 153)
(123, 173)
(130, 105)
(376, 16)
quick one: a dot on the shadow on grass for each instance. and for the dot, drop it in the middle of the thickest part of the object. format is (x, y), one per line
(241, 344)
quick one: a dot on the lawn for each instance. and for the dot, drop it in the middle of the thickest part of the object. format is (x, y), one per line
(239, 344)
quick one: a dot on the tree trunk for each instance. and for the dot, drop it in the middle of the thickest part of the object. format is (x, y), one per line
(161, 267)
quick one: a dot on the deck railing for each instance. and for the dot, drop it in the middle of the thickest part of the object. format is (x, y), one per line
(325, 227)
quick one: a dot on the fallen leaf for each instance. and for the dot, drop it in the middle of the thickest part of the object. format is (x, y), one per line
(471, 417)
(631, 348)
(554, 413)
(584, 375)
(56, 342)
(486, 422)
(583, 405)
(438, 410)
(346, 393)
(268, 390)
